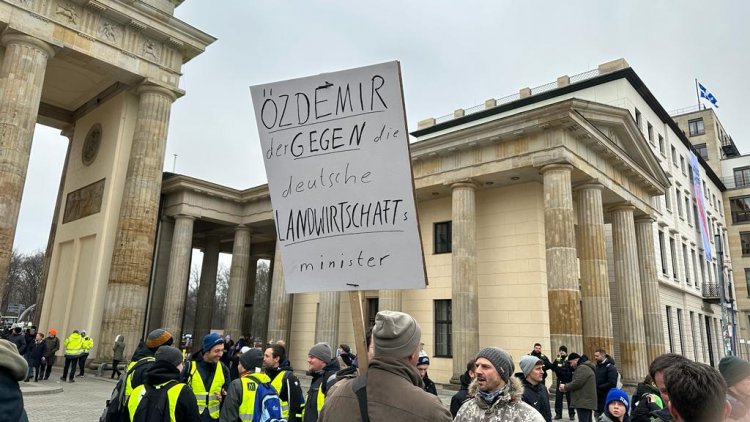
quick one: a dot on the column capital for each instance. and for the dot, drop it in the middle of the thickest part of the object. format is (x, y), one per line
(183, 217)
(622, 206)
(556, 166)
(645, 219)
(8, 39)
(463, 183)
(241, 228)
(588, 185)
(149, 87)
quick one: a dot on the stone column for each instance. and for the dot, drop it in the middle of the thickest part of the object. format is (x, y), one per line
(328, 318)
(159, 283)
(632, 360)
(280, 309)
(390, 300)
(465, 291)
(21, 79)
(654, 331)
(592, 256)
(130, 270)
(178, 275)
(238, 281)
(206, 299)
(247, 311)
(564, 295)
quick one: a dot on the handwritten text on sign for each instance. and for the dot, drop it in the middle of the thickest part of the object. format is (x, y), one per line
(336, 152)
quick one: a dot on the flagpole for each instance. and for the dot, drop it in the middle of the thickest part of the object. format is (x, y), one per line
(697, 95)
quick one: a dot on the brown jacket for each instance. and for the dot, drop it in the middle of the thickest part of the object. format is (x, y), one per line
(394, 393)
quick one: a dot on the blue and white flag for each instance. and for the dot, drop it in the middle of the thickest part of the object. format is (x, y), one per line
(704, 93)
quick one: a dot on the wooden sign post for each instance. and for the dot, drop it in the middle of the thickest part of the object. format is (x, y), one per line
(358, 321)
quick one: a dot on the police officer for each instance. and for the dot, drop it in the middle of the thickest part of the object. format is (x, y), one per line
(208, 377)
(73, 350)
(164, 374)
(87, 343)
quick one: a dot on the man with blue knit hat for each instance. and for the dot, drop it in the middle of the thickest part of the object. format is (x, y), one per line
(208, 377)
(392, 389)
(498, 393)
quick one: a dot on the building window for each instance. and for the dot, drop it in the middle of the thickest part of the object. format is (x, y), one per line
(741, 177)
(740, 207)
(443, 329)
(442, 233)
(669, 328)
(694, 334)
(650, 131)
(674, 155)
(702, 261)
(686, 262)
(747, 280)
(673, 251)
(745, 243)
(702, 151)
(695, 266)
(668, 199)
(695, 127)
(682, 164)
(679, 202)
(687, 208)
(663, 252)
(373, 306)
(679, 331)
(661, 145)
(638, 120)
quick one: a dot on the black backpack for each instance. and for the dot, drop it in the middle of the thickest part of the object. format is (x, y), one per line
(154, 406)
(116, 410)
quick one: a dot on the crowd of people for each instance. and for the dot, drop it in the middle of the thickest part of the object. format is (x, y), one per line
(230, 382)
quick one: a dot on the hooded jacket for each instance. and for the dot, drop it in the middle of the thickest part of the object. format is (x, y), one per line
(51, 345)
(607, 417)
(606, 379)
(186, 408)
(583, 387)
(394, 393)
(118, 348)
(508, 407)
(463, 394)
(138, 376)
(320, 380)
(13, 368)
(536, 396)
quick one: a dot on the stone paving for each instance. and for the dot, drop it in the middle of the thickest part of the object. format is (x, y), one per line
(81, 401)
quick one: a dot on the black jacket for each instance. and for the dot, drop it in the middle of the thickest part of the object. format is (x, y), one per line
(34, 353)
(20, 341)
(206, 370)
(545, 360)
(429, 385)
(642, 407)
(562, 369)
(320, 380)
(463, 394)
(606, 379)
(139, 374)
(186, 408)
(289, 384)
(536, 396)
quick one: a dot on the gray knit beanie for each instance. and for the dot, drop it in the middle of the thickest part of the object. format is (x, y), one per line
(321, 351)
(252, 359)
(396, 334)
(528, 363)
(500, 359)
(169, 354)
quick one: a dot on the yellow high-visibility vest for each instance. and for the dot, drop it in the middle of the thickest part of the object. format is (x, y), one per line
(206, 399)
(173, 394)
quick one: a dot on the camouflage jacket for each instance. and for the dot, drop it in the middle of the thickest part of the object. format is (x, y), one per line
(507, 408)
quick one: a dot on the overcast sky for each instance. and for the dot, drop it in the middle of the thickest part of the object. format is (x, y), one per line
(452, 54)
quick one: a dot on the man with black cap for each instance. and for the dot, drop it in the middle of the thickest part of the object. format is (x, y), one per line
(322, 366)
(208, 377)
(243, 398)
(392, 389)
(143, 358)
(498, 393)
(423, 363)
(163, 393)
(583, 386)
(736, 373)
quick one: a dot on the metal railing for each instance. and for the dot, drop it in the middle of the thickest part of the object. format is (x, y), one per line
(732, 182)
(686, 110)
(517, 96)
(711, 291)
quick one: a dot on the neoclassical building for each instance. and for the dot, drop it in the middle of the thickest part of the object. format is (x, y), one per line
(105, 73)
(563, 214)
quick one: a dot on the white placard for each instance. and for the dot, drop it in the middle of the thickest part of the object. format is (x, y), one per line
(336, 152)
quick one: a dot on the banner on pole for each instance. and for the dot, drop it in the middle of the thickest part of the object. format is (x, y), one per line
(700, 203)
(336, 153)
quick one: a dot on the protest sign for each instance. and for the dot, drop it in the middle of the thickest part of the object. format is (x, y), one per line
(336, 152)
